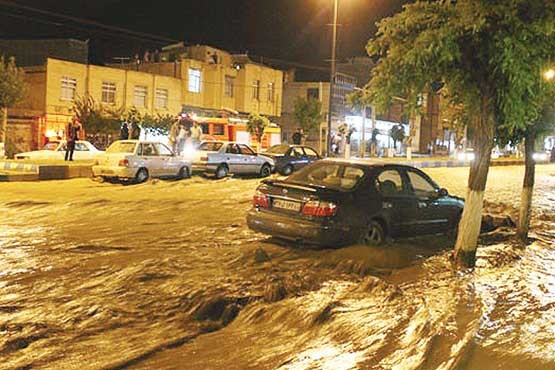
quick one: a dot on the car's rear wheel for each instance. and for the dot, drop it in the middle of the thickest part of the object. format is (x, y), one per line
(265, 170)
(183, 173)
(222, 171)
(141, 176)
(374, 234)
(287, 170)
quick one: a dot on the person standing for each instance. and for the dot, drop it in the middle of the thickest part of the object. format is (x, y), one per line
(73, 129)
(196, 134)
(135, 133)
(124, 131)
(174, 133)
(181, 137)
(297, 137)
(552, 156)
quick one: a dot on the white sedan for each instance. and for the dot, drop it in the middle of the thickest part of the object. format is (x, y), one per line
(56, 150)
(138, 160)
(221, 158)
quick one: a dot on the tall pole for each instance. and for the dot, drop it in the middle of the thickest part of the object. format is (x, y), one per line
(332, 72)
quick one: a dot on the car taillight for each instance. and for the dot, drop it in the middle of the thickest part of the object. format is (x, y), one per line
(260, 200)
(123, 163)
(204, 159)
(320, 208)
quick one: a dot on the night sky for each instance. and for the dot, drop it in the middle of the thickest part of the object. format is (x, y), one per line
(293, 30)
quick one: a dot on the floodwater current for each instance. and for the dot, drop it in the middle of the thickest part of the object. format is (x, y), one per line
(165, 275)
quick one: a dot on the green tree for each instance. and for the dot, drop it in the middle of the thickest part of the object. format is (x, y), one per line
(96, 119)
(488, 54)
(256, 125)
(12, 90)
(397, 134)
(308, 114)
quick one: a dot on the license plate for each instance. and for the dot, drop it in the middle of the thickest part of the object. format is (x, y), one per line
(287, 205)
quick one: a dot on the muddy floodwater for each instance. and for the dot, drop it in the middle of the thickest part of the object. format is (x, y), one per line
(166, 275)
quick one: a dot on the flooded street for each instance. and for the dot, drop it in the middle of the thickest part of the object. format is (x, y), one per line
(166, 275)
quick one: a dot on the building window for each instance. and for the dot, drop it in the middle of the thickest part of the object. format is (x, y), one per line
(256, 89)
(140, 96)
(194, 80)
(109, 92)
(312, 93)
(69, 85)
(271, 92)
(229, 86)
(161, 98)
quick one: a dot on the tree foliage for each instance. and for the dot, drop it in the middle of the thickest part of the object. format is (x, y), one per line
(12, 83)
(397, 134)
(256, 125)
(308, 113)
(492, 50)
(96, 119)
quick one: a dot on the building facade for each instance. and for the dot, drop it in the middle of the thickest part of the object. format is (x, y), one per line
(320, 90)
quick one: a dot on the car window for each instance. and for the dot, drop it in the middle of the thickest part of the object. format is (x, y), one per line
(163, 150)
(278, 149)
(246, 150)
(297, 152)
(420, 185)
(122, 147)
(51, 145)
(310, 152)
(389, 182)
(81, 147)
(232, 149)
(147, 149)
(210, 146)
(332, 175)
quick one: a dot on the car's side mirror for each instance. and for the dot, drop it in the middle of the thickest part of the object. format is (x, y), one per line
(442, 192)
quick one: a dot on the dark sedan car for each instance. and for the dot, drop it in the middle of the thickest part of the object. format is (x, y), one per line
(338, 202)
(290, 158)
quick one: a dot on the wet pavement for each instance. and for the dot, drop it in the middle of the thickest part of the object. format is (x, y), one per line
(166, 275)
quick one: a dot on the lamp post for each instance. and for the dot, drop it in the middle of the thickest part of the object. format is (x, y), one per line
(332, 72)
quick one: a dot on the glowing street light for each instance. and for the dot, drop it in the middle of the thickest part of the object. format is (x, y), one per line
(549, 74)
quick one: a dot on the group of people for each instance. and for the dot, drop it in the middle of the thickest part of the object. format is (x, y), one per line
(130, 131)
(184, 133)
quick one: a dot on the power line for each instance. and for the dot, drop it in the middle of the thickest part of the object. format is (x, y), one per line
(114, 29)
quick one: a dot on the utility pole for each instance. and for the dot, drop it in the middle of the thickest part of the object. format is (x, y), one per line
(332, 72)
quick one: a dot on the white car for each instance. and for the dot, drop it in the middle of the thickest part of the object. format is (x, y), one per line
(138, 160)
(221, 158)
(56, 150)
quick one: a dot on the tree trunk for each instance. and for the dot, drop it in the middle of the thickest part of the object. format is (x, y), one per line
(527, 188)
(4, 127)
(471, 220)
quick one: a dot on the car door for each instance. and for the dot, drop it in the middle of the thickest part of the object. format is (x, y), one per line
(251, 162)
(398, 203)
(150, 159)
(233, 158)
(432, 216)
(298, 157)
(168, 162)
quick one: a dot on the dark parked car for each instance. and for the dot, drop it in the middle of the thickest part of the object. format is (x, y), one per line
(290, 158)
(338, 202)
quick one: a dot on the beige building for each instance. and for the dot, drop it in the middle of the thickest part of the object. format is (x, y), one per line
(201, 79)
(215, 80)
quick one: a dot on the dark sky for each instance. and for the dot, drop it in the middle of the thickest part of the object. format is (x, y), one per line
(293, 30)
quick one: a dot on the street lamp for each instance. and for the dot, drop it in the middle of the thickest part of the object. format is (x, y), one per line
(549, 74)
(332, 72)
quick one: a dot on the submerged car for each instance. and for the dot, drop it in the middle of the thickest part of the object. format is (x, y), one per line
(338, 202)
(290, 158)
(221, 158)
(56, 150)
(138, 160)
